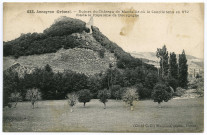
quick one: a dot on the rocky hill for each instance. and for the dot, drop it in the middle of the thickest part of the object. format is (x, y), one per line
(78, 59)
(21, 70)
(68, 44)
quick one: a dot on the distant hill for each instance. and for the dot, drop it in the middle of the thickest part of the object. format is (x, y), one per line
(150, 58)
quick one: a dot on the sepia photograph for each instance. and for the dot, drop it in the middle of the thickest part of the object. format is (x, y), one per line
(117, 67)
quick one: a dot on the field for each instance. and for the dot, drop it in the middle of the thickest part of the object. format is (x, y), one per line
(177, 115)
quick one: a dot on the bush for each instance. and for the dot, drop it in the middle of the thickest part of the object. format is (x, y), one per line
(179, 92)
(84, 96)
(161, 93)
(101, 53)
(192, 84)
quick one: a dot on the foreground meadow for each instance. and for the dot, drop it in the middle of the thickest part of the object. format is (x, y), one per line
(177, 115)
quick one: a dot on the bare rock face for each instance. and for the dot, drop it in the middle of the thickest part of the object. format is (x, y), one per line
(88, 40)
(21, 70)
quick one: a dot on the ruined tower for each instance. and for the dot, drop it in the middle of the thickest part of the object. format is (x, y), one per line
(89, 24)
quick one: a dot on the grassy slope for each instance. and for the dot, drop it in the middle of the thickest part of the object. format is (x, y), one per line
(77, 59)
(56, 116)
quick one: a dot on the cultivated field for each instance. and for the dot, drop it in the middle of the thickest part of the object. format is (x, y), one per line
(177, 115)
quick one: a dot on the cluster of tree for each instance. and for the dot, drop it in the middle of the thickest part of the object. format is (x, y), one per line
(54, 85)
(29, 46)
(170, 75)
(57, 36)
(172, 72)
(66, 26)
(128, 96)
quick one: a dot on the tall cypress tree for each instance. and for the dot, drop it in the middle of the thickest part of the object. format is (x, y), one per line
(183, 70)
(162, 53)
(173, 66)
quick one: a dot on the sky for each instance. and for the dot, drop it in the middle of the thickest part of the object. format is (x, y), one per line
(144, 33)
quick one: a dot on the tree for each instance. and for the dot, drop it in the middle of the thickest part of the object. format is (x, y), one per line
(200, 87)
(183, 70)
(11, 83)
(162, 53)
(150, 80)
(94, 84)
(72, 98)
(48, 68)
(173, 66)
(47, 83)
(172, 82)
(129, 96)
(33, 95)
(143, 91)
(58, 86)
(15, 98)
(161, 93)
(103, 96)
(84, 96)
(116, 92)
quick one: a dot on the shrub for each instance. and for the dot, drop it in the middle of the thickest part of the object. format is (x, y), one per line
(101, 53)
(192, 84)
(179, 92)
(84, 96)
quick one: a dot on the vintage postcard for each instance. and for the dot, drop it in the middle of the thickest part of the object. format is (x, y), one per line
(103, 67)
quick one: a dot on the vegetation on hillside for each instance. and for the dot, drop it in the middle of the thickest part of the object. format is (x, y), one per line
(57, 36)
(129, 72)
